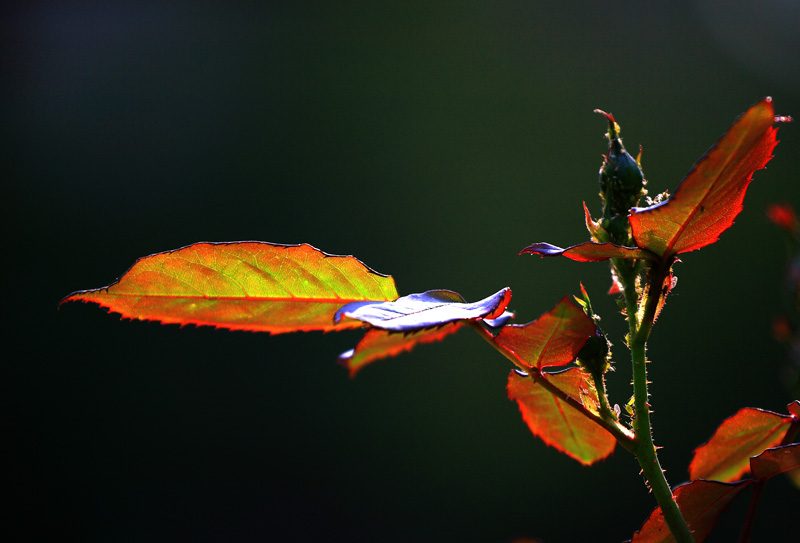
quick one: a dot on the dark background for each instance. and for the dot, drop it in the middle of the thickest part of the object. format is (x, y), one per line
(433, 140)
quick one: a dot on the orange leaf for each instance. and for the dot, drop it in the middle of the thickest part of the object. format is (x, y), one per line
(377, 344)
(701, 502)
(710, 196)
(726, 456)
(554, 339)
(557, 423)
(249, 285)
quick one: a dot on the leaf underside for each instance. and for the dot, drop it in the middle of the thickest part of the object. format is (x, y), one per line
(701, 502)
(250, 285)
(557, 423)
(710, 196)
(417, 318)
(554, 339)
(425, 310)
(726, 455)
(589, 251)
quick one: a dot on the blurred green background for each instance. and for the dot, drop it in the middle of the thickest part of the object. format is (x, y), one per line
(433, 140)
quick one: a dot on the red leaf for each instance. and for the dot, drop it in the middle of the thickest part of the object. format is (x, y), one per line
(726, 456)
(425, 310)
(554, 339)
(775, 461)
(378, 344)
(589, 251)
(557, 423)
(242, 286)
(701, 502)
(783, 216)
(710, 196)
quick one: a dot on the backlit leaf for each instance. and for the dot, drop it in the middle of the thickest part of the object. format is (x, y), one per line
(378, 344)
(701, 502)
(710, 196)
(425, 310)
(726, 456)
(554, 339)
(589, 251)
(776, 460)
(557, 423)
(242, 286)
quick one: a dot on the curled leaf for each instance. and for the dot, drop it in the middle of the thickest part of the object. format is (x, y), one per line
(425, 310)
(248, 285)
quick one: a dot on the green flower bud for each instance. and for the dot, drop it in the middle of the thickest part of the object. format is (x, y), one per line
(621, 169)
(617, 227)
(621, 179)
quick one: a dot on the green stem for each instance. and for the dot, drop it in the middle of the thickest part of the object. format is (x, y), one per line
(627, 276)
(645, 450)
(600, 386)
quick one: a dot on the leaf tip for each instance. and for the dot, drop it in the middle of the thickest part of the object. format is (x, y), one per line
(608, 116)
(67, 298)
(542, 249)
(345, 360)
(80, 296)
(505, 299)
(794, 408)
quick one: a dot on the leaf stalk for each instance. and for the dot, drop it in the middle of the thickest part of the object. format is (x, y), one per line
(623, 436)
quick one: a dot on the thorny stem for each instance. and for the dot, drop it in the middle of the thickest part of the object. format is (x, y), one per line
(628, 279)
(645, 450)
(600, 386)
(623, 436)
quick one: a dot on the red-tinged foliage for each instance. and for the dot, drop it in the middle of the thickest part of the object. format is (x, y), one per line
(253, 286)
(425, 310)
(710, 196)
(589, 251)
(554, 339)
(782, 329)
(556, 422)
(726, 456)
(783, 216)
(775, 461)
(701, 502)
(377, 344)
